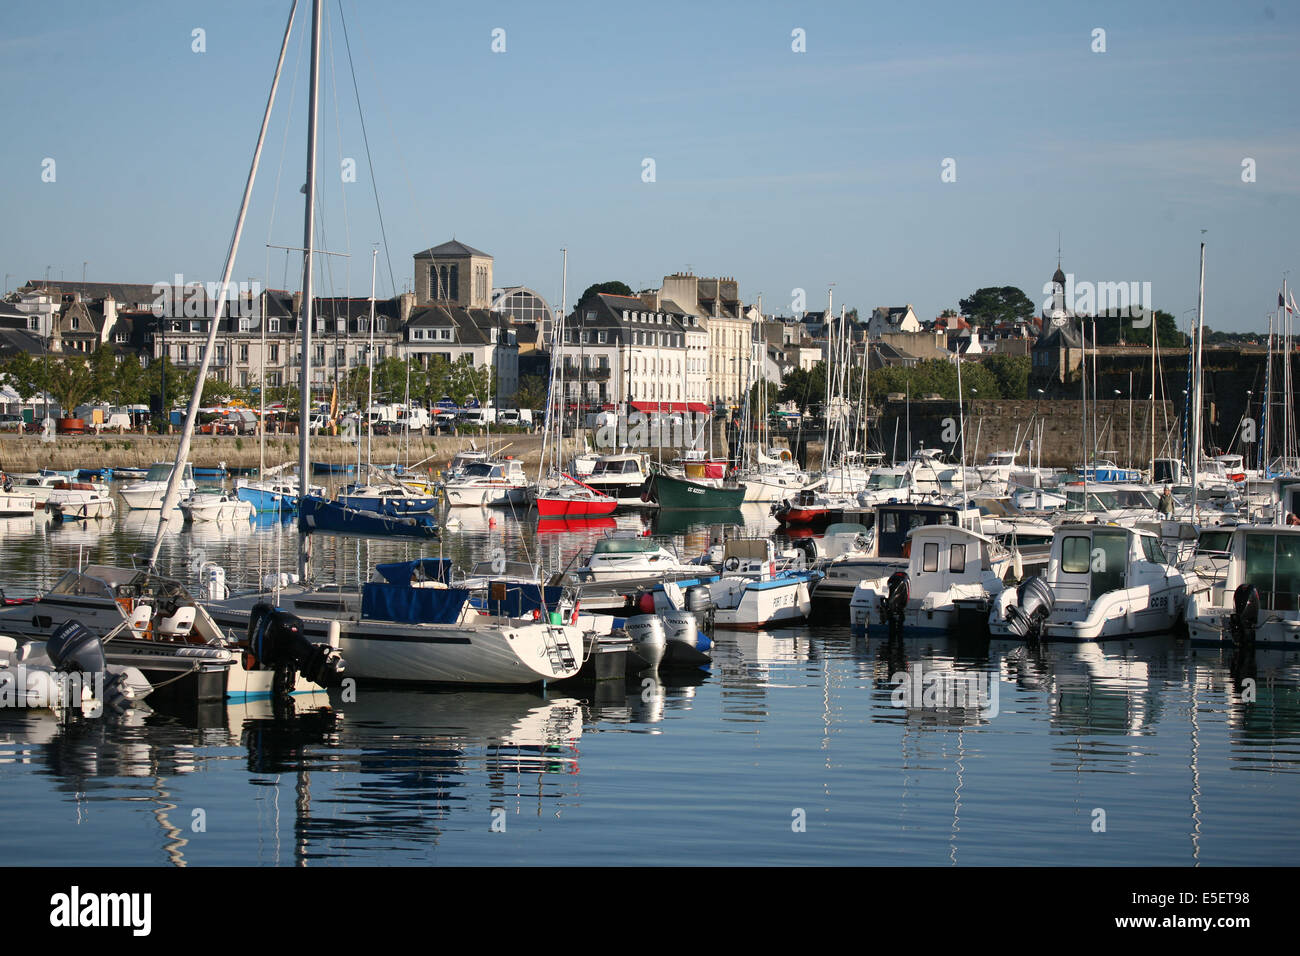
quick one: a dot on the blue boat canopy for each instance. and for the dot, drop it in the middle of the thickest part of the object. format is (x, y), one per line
(421, 569)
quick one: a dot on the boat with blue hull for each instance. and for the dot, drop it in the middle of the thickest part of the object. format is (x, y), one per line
(320, 514)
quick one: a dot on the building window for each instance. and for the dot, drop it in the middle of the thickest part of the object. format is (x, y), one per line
(75, 323)
(243, 354)
(182, 354)
(320, 355)
(245, 325)
(274, 353)
(273, 325)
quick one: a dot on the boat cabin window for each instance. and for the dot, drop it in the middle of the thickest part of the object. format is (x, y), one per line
(159, 472)
(1213, 542)
(1273, 566)
(957, 559)
(930, 557)
(1109, 558)
(1076, 554)
(1154, 553)
(625, 545)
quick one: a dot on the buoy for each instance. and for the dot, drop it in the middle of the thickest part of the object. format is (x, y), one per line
(492, 522)
(646, 603)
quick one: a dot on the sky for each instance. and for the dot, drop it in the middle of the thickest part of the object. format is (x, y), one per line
(787, 170)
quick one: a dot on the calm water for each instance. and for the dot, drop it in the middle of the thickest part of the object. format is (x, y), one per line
(791, 750)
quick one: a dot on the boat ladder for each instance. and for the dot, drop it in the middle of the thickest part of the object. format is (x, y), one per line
(558, 649)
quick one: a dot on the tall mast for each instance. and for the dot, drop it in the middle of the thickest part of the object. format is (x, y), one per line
(1197, 380)
(370, 368)
(309, 248)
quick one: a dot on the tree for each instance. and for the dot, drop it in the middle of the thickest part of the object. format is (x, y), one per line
(531, 392)
(757, 400)
(1011, 373)
(70, 381)
(805, 387)
(608, 288)
(994, 304)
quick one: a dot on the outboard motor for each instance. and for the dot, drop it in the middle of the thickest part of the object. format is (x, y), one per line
(1244, 618)
(72, 649)
(894, 607)
(1035, 601)
(648, 637)
(699, 601)
(277, 642)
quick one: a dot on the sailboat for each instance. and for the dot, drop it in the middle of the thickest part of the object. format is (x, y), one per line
(559, 494)
(409, 623)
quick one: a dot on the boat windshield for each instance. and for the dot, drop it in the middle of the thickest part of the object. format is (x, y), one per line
(159, 472)
(885, 480)
(478, 469)
(625, 545)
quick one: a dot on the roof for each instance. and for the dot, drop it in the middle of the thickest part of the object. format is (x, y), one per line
(452, 248)
(135, 293)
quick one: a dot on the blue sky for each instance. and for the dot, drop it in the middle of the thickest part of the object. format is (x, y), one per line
(786, 170)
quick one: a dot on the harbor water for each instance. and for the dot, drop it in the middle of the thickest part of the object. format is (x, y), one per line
(799, 746)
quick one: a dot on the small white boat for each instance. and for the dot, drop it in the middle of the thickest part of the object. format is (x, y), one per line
(79, 501)
(949, 586)
(15, 504)
(216, 507)
(630, 556)
(67, 671)
(1102, 582)
(750, 593)
(147, 495)
(489, 483)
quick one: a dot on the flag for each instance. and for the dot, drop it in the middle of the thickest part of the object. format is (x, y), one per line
(1283, 304)
(1292, 307)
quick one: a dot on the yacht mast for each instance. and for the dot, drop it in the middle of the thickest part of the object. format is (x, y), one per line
(309, 249)
(172, 493)
(1197, 381)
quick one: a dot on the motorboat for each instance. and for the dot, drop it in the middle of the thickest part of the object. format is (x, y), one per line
(68, 671)
(1257, 602)
(218, 506)
(1102, 581)
(153, 623)
(147, 495)
(491, 482)
(948, 587)
(621, 476)
(79, 501)
(276, 493)
(632, 557)
(564, 496)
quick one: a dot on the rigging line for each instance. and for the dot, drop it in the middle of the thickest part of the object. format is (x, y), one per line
(374, 184)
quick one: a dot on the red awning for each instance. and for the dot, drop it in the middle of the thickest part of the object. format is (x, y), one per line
(697, 407)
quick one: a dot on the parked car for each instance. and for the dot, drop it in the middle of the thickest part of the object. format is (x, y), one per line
(11, 422)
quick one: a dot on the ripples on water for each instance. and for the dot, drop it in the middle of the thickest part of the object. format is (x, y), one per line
(717, 767)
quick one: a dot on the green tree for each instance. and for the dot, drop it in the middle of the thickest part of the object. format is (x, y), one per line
(994, 304)
(71, 381)
(531, 392)
(608, 288)
(805, 387)
(1011, 373)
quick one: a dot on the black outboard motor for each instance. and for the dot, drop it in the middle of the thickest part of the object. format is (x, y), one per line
(1245, 615)
(895, 604)
(1034, 606)
(73, 650)
(277, 642)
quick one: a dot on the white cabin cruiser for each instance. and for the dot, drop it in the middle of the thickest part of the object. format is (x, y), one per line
(949, 586)
(493, 482)
(631, 556)
(1258, 600)
(147, 495)
(1101, 582)
(621, 476)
